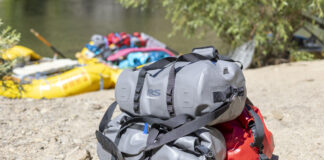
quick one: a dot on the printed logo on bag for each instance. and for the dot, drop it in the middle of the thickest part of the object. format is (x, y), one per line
(153, 92)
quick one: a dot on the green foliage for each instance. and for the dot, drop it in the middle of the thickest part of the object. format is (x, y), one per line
(271, 23)
(8, 37)
(301, 56)
(6, 68)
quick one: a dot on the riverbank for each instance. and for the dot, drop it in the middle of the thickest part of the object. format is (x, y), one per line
(290, 96)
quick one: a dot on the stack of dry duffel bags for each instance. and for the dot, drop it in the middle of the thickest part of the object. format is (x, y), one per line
(191, 107)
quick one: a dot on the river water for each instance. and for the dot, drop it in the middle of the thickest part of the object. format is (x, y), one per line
(69, 24)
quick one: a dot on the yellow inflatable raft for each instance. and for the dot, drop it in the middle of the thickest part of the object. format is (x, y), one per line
(78, 80)
(91, 77)
(20, 51)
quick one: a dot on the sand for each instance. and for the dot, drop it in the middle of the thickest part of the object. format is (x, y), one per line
(290, 96)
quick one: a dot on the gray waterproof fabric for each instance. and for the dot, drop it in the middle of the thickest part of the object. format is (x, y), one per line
(196, 91)
(133, 141)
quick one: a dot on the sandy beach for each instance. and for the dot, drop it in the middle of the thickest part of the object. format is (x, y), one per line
(290, 96)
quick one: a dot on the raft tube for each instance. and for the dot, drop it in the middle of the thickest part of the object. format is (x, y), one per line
(125, 52)
(78, 80)
(20, 51)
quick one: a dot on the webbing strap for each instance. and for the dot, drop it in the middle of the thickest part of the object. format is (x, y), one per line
(257, 129)
(138, 90)
(206, 152)
(107, 116)
(160, 63)
(180, 126)
(141, 77)
(184, 129)
(109, 146)
(262, 156)
(169, 123)
(170, 88)
(257, 132)
(192, 57)
(105, 142)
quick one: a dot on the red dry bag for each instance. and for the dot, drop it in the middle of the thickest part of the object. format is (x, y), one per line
(247, 137)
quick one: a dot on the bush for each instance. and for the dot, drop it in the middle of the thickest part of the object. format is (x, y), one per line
(8, 38)
(270, 23)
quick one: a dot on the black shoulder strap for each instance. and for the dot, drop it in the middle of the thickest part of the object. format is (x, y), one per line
(257, 131)
(107, 116)
(105, 142)
(109, 146)
(141, 77)
(158, 140)
(191, 57)
(258, 128)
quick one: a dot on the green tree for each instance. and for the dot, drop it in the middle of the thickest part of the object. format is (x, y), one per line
(271, 23)
(8, 38)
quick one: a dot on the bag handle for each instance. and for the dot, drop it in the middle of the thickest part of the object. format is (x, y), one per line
(207, 51)
(160, 63)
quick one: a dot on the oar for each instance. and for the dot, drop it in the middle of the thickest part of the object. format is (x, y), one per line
(41, 38)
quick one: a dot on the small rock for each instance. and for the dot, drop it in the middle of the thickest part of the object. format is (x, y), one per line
(310, 80)
(78, 154)
(37, 109)
(277, 115)
(23, 110)
(77, 141)
(96, 106)
(75, 117)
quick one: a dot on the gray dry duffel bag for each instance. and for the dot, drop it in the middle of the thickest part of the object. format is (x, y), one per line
(202, 144)
(168, 106)
(193, 84)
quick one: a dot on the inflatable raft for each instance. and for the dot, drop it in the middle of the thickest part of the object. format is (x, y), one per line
(78, 80)
(48, 80)
(97, 68)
